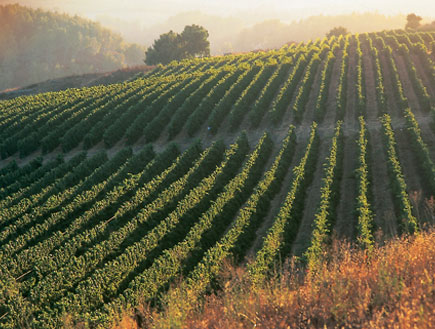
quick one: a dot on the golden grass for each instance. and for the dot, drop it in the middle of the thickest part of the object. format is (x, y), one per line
(393, 287)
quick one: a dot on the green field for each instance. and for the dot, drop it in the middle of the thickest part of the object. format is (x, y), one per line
(111, 193)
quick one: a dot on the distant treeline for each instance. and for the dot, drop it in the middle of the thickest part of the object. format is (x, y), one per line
(242, 33)
(36, 45)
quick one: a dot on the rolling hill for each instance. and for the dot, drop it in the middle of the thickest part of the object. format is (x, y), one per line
(111, 193)
(77, 81)
(39, 45)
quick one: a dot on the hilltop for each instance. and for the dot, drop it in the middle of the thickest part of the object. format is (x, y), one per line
(112, 193)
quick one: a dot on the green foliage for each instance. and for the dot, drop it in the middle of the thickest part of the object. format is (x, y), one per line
(325, 79)
(200, 114)
(343, 81)
(199, 95)
(281, 102)
(421, 50)
(43, 45)
(248, 96)
(325, 215)
(303, 93)
(360, 84)
(267, 94)
(337, 31)
(400, 97)
(285, 222)
(420, 89)
(193, 101)
(135, 130)
(240, 236)
(91, 234)
(165, 49)
(192, 42)
(145, 220)
(379, 78)
(408, 222)
(154, 128)
(195, 41)
(224, 106)
(422, 151)
(363, 207)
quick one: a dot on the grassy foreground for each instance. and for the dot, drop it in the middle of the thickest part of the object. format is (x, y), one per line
(393, 287)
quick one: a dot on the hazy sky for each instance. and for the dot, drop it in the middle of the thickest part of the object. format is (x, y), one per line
(155, 11)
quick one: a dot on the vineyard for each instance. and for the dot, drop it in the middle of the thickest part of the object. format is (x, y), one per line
(110, 194)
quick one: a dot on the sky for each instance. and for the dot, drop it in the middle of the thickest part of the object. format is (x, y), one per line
(151, 12)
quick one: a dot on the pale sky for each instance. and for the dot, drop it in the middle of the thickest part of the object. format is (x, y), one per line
(156, 11)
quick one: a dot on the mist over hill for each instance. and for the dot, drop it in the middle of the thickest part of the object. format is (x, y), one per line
(37, 45)
(245, 33)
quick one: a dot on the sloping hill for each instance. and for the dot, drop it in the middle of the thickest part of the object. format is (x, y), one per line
(39, 45)
(274, 152)
(77, 81)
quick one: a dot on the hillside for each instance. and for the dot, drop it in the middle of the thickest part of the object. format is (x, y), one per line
(77, 81)
(40, 45)
(111, 193)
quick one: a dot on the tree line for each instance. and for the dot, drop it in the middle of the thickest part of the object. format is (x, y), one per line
(38, 45)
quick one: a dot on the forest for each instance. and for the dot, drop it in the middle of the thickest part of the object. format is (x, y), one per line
(37, 45)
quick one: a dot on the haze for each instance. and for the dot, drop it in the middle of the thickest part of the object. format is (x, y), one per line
(153, 12)
(243, 25)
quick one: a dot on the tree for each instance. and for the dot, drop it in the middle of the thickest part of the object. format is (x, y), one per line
(43, 45)
(164, 50)
(427, 27)
(192, 42)
(195, 41)
(413, 21)
(133, 54)
(337, 31)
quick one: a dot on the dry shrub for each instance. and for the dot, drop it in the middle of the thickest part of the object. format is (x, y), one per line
(393, 287)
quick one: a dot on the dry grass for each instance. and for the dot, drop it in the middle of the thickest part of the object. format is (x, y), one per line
(394, 287)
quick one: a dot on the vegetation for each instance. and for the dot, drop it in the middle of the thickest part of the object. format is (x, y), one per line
(211, 93)
(325, 215)
(364, 208)
(134, 196)
(413, 21)
(43, 45)
(340, 96)
(192, 42)
(285, 224)
(232, 34)
(408, 221)
(330, 298)
(360, 81)
(337, 31)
